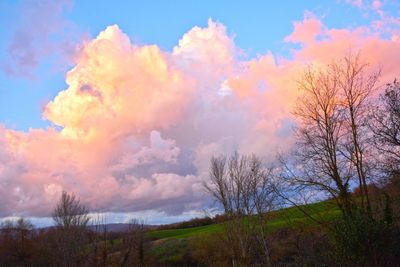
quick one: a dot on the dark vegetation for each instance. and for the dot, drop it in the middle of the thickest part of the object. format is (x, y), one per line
(333, 201)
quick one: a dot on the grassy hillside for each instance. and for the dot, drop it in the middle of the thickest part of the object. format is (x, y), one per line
(185, 233)
(171, 246)
(323, 212)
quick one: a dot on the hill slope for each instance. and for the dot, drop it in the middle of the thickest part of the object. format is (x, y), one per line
(171, 245)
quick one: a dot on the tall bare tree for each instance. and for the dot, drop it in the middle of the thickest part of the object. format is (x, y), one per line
(357, 87)
(385, 125)
(332, 146)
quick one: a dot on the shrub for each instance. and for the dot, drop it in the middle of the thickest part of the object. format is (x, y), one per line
(360, 240)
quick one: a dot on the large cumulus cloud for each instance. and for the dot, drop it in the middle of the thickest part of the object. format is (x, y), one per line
(136, 126)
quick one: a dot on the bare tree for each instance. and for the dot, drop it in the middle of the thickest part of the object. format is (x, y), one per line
(332, 145)
(319, 162)
(71, 220)
(385, 125)
(134, 244)
(16, 243)
(70, 213)
(243, 188)
(357, 87)
(99, 238)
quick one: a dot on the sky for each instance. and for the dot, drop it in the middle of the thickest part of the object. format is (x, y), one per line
(124, 103)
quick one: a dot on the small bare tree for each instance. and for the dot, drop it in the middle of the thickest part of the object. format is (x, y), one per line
(71, 220)
(134, 244)
(16, 243)
(243, 187)
(99, 238)
(70, 213)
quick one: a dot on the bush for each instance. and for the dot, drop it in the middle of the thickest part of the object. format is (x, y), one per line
(360, 240)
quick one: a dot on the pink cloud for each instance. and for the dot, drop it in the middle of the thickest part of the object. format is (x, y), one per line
(305, 31)
(376, 4)
(119, 86)
(205, 47)
(159, 149)
(136, 125)
(357, 3)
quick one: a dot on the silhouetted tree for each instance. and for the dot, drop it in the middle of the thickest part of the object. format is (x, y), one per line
(332, 144)
(16, 243)
(243, 187)
(385, 125)
(70, 213)
(71, 219)
(99, 239)
(133, 253)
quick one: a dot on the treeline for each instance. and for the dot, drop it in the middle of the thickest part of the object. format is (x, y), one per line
(71, 242)
(195, 222)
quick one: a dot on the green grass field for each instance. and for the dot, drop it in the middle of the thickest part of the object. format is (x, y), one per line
(186, 232)
(170, 246)
(289, 217)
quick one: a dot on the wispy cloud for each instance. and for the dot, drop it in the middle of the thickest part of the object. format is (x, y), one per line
(41, 32)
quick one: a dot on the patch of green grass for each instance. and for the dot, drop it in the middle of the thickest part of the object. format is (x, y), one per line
(322, 212)
(186, 232)
(288, 217)
(171, 246)
(170, 251)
